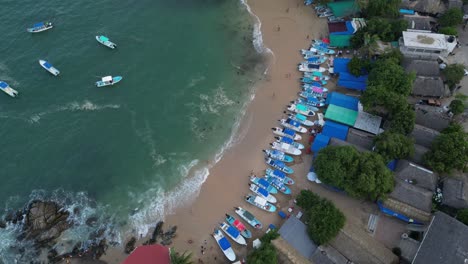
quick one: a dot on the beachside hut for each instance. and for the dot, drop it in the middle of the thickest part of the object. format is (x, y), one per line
(432, 117)
(361, 138)
(151, 254)
(340, 41)
(455, 191)
(344, 8)
(341, 115)
(320, 142)
(335, 130)
(342, 100)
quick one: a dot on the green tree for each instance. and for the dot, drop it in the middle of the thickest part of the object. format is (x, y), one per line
(356, 66)
(402, 121)
(267, 252)
(370, 45)
(334, 162)
(448, 31)
(357, 40)
(323, 219)
(393, 146)
(391, 75)
(453, 128)
(448, 151)
(452, 17)
(394, 54)
(457, 107)
(462, 216)
(453, 74)
(378, 95)
(177, 258)
(382, 8)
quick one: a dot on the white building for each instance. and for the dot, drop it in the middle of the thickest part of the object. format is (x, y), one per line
(422, 45)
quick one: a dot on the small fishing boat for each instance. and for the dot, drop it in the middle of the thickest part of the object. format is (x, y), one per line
(316, 76)
(308, 67)
(312, 101)
(317, 60)
(7, 89)
(301, 109)
(279, 165)
(39, 27)
(264, 184)
(233, 233)
(249, 218)
(301, 119)
(48, 67)
(278, 155)
(286, 132)
(224, 244)
(313, 80)
(262, 192)
(286, 148)
(279, 175)
(278, 184)
(317, 90)
(322, 51)
(294, 125)
(290, 142)
(108, 80)
(318, 84)
(106, 42)
(260, 203)
(307, 94)
(237, 224)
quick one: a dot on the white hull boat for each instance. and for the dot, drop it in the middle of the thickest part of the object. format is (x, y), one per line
(7, 89)
(233, 233)
(224, 244)
(261, 203)
(286, 148)
(294, 125)
(301, 109)
(278, 155)
(249, 218)
(286, 132)
(48, 67)
(304, 67)
(301, 119)
(108, 80)
(40, 27)
(106, 42)
(262, 192)
(290, 142)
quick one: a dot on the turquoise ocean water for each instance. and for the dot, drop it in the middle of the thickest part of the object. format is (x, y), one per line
(119, 153)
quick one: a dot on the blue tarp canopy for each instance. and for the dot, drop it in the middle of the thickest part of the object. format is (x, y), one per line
(262, 191)
(320, 142)
(342, 100)
(40, 24)
(406, 11)
(232, 231)
(340, 65)
(335, 130)
(47, 65)
(224, 243)
(350, 81)
(390, 212)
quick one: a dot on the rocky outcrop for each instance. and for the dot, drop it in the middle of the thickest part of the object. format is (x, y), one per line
(164, 238)
(130, 246)
(45, 221)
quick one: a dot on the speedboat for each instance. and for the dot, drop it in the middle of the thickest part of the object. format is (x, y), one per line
(301, 109)
(278, 155)
(312, 101)
(292, 124)
(316, 76)
(263, 183)
(317, 90)
(7, 89)
(278, 184)
(309, 67)
(301, 119)
(313, 80)
(286, 148)
(239, 226)
(260, 203)
(233, 233)
(224, 244)
(279, 175)
(279, 165)
(286, 132)
(39, 27)
(106, 42)
(262, 192)
(290, 142)
(249, 218)
(108, 80)
(46, 65)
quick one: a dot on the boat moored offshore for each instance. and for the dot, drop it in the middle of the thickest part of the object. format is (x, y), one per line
(108, 80)
(39, 27)
(7, 89)
(106, 41)
(48, 67)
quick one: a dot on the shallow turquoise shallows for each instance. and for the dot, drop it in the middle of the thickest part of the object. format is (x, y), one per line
(119, 152)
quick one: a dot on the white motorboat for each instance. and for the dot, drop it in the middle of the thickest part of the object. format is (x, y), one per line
(233, 233)
(7, 89)
(286, 148)
(286, 132)
(262, 192)
(48, 67)
(224, 244)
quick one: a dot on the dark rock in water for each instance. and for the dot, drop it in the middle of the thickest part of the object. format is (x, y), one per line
(45, 221)
(2, 224)
(91, 221)
(130, 246)
(14, 217)
(166, 242)
(157, 231)
(52, 254)
(76, 211)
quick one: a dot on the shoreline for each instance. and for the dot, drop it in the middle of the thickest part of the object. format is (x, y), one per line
(284, 28)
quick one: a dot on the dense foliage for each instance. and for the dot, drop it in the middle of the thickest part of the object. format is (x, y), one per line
(449, 150)
(462, 216)
(392, 76)
(382, 29)
(357, 66)
(177, 258)
(267, 253)
(457, 107)
(453, 74)
(402, 120)
(448, 31)
(393, 146)
(362, 175)
(323, 219)
(382, 8)
(452, 17)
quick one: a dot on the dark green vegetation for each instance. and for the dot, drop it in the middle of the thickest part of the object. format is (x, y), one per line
(453, 74)
(452, 17)
(266, 254)
(323, 219)
(457, 107)
(393, 146)
(448, 31)
(177, 258)
(357, 66)
(449, 150)
(362, 175)
(462, 216)
(381, 8)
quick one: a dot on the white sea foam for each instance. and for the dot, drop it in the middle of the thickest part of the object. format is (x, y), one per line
(257, 31)
(195, 81)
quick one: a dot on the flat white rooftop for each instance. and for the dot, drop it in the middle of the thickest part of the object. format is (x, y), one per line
(424, 40)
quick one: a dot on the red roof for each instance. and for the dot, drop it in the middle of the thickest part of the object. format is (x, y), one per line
(154, 254)
(337, 27)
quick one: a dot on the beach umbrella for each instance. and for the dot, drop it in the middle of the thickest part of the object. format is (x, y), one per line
(151, 254)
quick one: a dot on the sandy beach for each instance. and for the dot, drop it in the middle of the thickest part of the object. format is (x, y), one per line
(287, 26)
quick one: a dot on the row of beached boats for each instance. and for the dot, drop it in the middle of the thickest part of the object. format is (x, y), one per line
(43, 26)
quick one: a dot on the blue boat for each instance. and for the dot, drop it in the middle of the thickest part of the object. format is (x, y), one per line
(249, 218)
(233, 233)
(48, 67)
(264, 184)
(290, 142)
(108, 80)
(278, 155)
(301, 119)
(262, 192)
(279, 175)
(311, 101)
(224, 245)
(286, 132)
(4, 87)
(237, 224)
(279, 165)
(39, 27)
(313, 80)
(292, 124)
(278, 184)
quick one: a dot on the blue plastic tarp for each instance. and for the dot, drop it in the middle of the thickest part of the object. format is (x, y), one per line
(350, 81)
(335, 130)
(342, 100)
(392, 165)
(320, 142)
(390, 212)
(406, 11)
(340, 65)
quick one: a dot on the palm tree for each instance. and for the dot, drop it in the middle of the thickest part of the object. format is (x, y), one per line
(184, 258)
(370, 46)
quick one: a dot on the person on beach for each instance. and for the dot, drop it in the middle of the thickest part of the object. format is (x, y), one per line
(278, 28)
